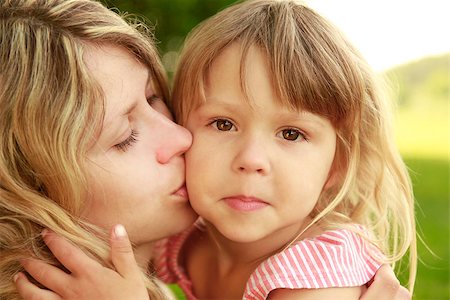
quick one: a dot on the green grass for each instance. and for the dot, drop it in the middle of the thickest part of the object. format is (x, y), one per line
(423, 132)
(431, 187)
(177, 291)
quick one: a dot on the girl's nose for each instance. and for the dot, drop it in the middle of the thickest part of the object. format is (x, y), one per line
(175, 140)
(252, 158)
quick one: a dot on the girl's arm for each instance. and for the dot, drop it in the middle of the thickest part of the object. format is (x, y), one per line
(88, 279)
(317, 294)
(384, 286)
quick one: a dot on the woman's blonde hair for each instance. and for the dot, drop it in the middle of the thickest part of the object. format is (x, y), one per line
(315, 68)
(51, 109)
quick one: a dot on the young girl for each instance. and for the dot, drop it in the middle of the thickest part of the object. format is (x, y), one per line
(293, 166)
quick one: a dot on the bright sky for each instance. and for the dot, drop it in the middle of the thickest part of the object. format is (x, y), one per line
(391, 32)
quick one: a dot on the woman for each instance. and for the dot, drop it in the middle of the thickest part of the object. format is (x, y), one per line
(87, 142)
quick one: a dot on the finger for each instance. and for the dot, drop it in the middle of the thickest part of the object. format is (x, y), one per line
(28, 290)
(75, 260)
(403, 294)
(49, 276)
(385, 285)
(122, 254)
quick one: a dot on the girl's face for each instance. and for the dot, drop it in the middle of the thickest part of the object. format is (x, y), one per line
(137, 171)
(255, 171)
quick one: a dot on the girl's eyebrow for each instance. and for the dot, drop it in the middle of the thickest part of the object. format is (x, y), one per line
(301, 116)
(305, 116)
(216, 102)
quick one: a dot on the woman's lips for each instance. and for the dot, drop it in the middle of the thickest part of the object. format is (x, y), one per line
(243, 203)
(182, 192)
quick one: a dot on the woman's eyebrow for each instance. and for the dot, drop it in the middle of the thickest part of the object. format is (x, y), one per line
(128, 109)
(114, 116)
(131, 102)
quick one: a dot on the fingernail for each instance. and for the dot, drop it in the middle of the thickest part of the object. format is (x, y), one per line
(119, 231)
(44, 232)
(16, 277)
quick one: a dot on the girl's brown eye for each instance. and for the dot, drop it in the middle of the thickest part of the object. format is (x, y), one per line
(292, 134)
(223, 125)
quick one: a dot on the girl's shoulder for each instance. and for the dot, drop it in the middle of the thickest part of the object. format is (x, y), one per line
(335, 258)
(353, 237)
(170, 258)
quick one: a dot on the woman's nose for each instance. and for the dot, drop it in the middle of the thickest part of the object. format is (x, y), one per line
(252, 158)
(175, 140)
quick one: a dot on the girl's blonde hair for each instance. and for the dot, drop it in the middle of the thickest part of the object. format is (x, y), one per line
(51, 109)
(315, 68)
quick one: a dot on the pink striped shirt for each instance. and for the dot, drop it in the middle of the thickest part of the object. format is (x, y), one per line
(336, 258)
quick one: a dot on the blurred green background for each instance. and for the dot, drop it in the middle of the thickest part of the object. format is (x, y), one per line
(422, 129)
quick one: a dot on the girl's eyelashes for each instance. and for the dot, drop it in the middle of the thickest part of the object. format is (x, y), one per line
(223, 125)
(128, 142)
(293, 135)
(289, 134)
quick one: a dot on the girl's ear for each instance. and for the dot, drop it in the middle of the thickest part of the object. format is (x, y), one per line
(333, 175)
(332, 179)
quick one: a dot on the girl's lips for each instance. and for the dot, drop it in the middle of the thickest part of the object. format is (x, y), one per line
(243, 203)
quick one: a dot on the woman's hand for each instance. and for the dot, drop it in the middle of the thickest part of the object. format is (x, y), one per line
(386, 286)
(87, 279)
(90, 280)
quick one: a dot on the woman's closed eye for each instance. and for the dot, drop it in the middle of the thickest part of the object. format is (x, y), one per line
(292, 134)
(223, 125)
(128, 142)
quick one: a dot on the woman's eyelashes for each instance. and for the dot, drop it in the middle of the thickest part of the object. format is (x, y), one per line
(128, 142)
(291, 134)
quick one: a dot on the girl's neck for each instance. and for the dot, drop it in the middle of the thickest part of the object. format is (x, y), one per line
(234, 254)
(220, 268)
